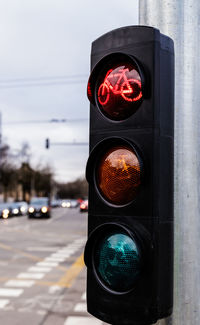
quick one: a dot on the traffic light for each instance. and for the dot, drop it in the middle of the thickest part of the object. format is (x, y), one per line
(47, 144)
(129, 251)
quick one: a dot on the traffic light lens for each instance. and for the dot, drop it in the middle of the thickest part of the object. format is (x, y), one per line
(119, 175)
(119, 91)
(117, 262)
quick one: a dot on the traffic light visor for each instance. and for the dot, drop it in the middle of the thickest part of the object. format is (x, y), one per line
(117, 261)
(118, 175)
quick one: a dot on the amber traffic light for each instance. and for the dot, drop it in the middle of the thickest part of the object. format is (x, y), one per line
(119, 175)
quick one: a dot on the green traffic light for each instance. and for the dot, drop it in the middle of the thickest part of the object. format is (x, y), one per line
(117, 262)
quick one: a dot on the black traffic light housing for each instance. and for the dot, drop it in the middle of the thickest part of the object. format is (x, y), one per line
(147, 128)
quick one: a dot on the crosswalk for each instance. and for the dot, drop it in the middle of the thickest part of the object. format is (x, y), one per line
(15, 287)
(81, 308)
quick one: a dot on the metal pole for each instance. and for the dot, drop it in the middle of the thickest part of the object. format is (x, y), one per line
(180, 19)
(0, 129)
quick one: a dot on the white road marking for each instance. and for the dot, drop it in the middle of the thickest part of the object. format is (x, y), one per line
(36, 276)
(55, 259)
(54, 289)
(3, 302)
(66, 251)
(80, 307)
(20, 283)
(39, 269)
(41, 312)
(42, 249)
(75, 246)
(82, 320)
(50, 264)
(5, 292)
(60, 255)
(83, 297)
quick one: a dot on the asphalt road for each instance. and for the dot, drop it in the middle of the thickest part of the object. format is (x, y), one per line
(42, 274)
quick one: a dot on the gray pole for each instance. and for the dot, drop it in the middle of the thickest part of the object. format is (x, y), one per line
(180, 19)
(0, 129)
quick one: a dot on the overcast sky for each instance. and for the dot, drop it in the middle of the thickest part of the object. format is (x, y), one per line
(44, 66)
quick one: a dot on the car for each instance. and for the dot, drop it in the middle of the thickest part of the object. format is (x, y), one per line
(69, 203)
(4, 211)
(39, 207)
(74, 203)
(23, 206)
(84, 206)
(18, 208)
(55, 203)
(65, 203)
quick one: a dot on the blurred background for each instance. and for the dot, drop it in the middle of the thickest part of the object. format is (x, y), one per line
(45, 65)
(44, 128)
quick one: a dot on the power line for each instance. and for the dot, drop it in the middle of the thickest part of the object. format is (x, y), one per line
(53, 120)
(42, 81)
(32, 79)
(42, 84)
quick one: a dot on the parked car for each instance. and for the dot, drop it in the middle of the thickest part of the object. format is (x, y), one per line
(39, 207)
(18, 208)
(84, 206)
(4, 211)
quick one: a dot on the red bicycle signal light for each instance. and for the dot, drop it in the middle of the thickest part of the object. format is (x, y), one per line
(116, 87)
(120, 81)
(119, 175)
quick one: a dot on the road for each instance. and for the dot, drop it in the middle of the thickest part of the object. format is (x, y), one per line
(42, 274)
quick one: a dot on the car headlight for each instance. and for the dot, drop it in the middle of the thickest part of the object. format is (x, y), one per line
(15, 211)
(31, 209)
(22, 209)
(5, 213)
(44, 209)
(64, 204)
(68, 204)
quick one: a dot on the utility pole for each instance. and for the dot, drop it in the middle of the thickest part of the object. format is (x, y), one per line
(0, 129)
(180, 20)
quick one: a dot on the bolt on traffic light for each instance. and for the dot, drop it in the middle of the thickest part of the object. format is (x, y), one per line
(129, 251)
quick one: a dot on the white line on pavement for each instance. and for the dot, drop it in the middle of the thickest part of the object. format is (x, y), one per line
(3, 302)
(36, 276)
(60, 255)
(54, 289)
(20, 283)
(42, 249)
(39, 269)
(5, 292)
(50, 264)
(80, 307)
(55, 259)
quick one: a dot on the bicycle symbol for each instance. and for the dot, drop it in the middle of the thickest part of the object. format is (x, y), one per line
(118, 84)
